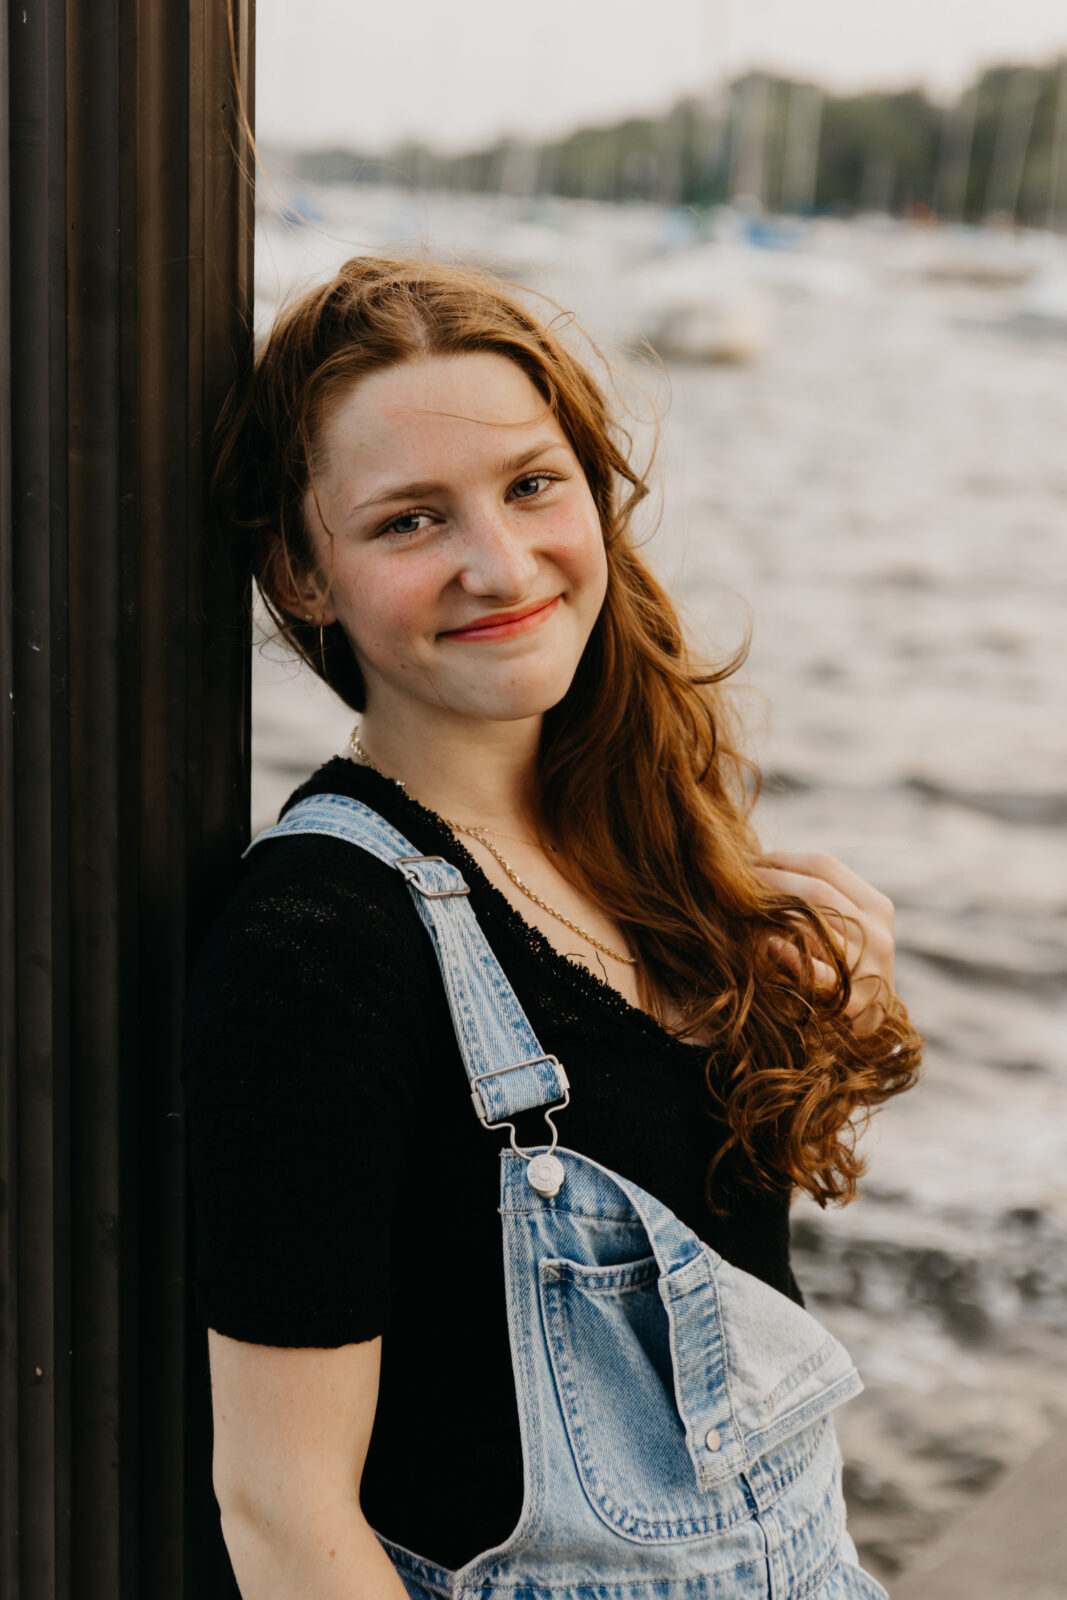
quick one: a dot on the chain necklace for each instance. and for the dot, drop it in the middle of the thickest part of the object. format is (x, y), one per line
(479, 833)
(549, 849)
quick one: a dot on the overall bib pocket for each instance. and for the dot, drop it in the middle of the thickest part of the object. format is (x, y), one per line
(608, 1338)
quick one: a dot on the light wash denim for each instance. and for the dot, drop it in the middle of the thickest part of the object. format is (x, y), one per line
(675, 1412)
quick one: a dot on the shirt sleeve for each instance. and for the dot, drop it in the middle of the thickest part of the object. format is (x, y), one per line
(301, 1040)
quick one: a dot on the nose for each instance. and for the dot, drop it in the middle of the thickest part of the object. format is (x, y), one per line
(498, 560)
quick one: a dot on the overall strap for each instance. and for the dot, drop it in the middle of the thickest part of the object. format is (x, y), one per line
(508, 1070)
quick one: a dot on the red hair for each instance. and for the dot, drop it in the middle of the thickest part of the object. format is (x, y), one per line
(643, 785)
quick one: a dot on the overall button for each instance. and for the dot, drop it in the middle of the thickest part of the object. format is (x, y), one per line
(545, 1175)
(713, 1439)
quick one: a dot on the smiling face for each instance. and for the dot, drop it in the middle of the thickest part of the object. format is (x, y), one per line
(458, 543)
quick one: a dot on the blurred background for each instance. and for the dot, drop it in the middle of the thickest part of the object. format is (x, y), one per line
(844, 231)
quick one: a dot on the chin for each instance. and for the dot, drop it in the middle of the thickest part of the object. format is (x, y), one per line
(520, 702)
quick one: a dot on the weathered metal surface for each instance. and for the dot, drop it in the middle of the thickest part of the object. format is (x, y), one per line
(125, 191)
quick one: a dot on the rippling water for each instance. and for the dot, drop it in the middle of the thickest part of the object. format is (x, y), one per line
(884, 488)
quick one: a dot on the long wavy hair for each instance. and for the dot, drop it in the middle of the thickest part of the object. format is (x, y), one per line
(644, 788)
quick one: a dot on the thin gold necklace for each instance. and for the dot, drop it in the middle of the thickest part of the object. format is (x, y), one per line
(476, 832)
(534, 844)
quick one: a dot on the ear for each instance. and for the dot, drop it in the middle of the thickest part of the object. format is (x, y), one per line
(303, 596)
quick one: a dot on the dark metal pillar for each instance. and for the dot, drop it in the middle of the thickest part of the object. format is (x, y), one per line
(125, 307)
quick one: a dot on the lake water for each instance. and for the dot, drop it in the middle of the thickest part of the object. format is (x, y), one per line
(879, 479)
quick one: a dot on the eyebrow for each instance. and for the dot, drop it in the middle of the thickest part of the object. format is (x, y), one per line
(413, 491)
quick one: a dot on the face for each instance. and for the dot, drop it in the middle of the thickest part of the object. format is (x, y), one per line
(458, 542)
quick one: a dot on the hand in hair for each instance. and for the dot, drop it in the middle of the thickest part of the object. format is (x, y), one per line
(858, 918)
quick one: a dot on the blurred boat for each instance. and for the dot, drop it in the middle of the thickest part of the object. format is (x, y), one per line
(1041, 308)
(983, 257)
(734, 326)
(717, 300)
(696, 305)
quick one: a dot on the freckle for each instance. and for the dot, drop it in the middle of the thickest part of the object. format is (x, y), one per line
(333, 1552)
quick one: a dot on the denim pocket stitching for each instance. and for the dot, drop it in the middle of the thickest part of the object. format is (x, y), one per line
(638, 1528)
(624, 1277)
(708, 1476)
(817, 1359)
(804, 1415)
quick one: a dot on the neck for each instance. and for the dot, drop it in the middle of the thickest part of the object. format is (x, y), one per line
(469, 771)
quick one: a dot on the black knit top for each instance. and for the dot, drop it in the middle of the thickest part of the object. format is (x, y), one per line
(343, 1186)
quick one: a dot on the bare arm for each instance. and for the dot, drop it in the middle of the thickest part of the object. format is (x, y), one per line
(292, 1427)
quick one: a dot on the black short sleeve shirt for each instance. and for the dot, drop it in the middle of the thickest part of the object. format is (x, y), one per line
(343, 1187)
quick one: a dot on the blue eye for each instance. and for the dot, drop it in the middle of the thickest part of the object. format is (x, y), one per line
(412, 518)
(536, 478)
(408, 523)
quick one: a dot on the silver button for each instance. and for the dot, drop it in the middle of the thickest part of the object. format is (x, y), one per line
(713, 1439)
(545, 1175)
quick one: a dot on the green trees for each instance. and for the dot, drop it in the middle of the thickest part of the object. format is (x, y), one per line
(999, 149)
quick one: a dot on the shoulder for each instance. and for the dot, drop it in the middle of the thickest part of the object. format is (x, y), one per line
(313, 887)
(319, 940)
(309, 903)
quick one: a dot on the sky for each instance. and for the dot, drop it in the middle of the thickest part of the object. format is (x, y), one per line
(457, 73)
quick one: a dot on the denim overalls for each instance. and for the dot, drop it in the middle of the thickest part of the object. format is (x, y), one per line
(674, 1411)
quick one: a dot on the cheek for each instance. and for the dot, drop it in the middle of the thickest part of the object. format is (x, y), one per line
(580, 550)
(403, 608)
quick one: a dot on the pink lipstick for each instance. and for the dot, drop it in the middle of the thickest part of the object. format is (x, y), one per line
(505, 624)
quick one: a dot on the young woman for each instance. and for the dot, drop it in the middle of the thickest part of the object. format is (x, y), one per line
(625, 1391)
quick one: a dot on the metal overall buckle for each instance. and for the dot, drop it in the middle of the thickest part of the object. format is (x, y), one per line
(406, 865)
(544, 1172)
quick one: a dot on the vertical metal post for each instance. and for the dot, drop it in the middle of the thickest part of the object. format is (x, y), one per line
(8, 1350)
(37, 1363)
(125, 308)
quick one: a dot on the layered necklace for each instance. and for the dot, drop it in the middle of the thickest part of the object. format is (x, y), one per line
(476, 831)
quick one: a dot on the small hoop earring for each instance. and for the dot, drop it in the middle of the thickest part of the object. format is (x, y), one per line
(322, 642)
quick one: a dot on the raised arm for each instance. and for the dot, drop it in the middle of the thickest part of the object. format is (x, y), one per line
(292, 1427)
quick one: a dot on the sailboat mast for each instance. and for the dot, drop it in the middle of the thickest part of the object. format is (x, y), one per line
(1056, 215)
(1013, 141)
(800, 167)
(954, 162)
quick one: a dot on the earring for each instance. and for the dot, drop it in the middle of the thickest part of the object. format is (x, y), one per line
(322, 644)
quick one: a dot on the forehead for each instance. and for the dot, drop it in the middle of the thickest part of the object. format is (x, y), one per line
(476, 406)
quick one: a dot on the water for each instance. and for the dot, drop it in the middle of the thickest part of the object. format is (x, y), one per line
(881, 484)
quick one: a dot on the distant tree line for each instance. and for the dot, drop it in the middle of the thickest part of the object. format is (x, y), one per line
(772, 143)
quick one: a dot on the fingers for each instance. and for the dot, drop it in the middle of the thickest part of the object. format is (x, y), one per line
(864, 1010)
(816, 891)
(865, 913)
(843, 917)
(828, 870)
(787, 955)
(858, 918)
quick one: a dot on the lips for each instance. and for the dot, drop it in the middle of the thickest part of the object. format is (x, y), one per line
(502, 624)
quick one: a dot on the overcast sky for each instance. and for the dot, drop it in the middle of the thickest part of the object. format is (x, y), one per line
(457, 72)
